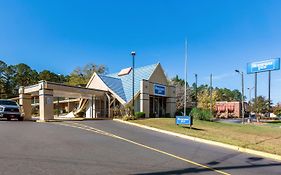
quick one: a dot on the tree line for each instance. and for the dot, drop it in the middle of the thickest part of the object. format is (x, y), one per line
(203, 98)
(14, 76)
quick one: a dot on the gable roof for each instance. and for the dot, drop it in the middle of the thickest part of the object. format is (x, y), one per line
(122, 85)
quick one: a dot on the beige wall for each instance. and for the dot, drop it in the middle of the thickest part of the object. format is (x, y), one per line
(158, 76)
(25, 103)
(147, 89)
(46, 104)
(144, 97)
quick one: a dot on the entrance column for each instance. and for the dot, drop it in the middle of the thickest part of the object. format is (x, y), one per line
(144, 97)
(25, 103)
(171, 101)
(46, 104)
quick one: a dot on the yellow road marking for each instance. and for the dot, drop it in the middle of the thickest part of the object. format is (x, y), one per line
(92, 129)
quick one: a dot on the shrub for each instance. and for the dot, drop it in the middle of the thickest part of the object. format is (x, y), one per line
(201, 114)
(179, 112)
(128, 117)
(139, 114)
(167, 115)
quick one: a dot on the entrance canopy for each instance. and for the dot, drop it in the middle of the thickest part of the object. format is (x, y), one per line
(47, 90)
(61, 90)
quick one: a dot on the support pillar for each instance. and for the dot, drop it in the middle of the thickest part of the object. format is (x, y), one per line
(171, 101)
(46, 104)
(91, 110)
(109, 104)
(25, 103)
(144, 97)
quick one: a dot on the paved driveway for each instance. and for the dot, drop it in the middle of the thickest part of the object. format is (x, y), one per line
(109, 147)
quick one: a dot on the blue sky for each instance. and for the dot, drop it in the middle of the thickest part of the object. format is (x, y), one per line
(223, 35)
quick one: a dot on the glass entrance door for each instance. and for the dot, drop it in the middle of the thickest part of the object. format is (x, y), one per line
(157, 106)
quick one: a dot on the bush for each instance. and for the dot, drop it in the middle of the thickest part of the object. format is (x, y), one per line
(201, 114)
(167, 115)
(179, 112)
(139, 114)
(128, 117)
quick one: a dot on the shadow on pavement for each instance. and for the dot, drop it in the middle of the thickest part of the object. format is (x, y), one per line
(204, 170)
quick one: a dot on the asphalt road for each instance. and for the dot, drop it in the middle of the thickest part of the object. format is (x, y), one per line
(109, 147)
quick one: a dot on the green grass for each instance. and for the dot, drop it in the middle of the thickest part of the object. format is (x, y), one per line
(274, 123)
(261, 138)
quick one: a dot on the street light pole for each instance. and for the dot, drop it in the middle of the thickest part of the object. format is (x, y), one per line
(242, 98)
(196, 84)
(211, 93)
(133, 53)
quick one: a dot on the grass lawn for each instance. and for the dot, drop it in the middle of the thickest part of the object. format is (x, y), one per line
(274, 123)
(261, 138)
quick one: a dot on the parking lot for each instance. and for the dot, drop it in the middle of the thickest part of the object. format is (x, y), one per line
(109, 147)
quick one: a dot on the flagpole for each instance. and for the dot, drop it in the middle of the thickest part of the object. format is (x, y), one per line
(185, 74)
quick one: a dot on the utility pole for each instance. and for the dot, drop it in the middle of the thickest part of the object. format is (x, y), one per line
(211, 94)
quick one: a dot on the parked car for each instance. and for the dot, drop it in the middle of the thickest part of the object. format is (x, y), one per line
(10, 109)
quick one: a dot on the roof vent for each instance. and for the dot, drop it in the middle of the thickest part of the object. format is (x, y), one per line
(125, 71)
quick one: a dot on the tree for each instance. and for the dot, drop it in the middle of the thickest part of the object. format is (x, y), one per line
(260, 105)
(177, 81)
(179, 85)
(204, 99)
(24, 75)
(3, 67)
(81, 76)
(277, 109)
(51, 76)
(225, 94)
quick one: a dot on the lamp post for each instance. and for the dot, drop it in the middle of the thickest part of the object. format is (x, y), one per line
(242, 98)
(133, 53)
(196, 88)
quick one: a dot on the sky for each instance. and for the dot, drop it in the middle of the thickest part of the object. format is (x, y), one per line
(222, 35)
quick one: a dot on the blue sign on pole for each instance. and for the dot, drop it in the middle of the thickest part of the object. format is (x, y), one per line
(183, 120)
(262, 66)
(159, 90)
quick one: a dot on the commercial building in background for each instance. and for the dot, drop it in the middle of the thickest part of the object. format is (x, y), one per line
(153, 95)
(224, 109)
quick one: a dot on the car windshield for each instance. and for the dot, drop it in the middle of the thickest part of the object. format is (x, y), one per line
(7, 102)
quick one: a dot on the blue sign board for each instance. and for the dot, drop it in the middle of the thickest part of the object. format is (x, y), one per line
(262, 66)
(159, 90)
(183, 120)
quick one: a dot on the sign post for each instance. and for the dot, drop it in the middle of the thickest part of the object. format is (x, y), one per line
(184, 120)
(264, 66)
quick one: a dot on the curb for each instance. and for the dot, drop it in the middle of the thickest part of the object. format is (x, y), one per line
(224, 145)
(45, 121)
(69, 119)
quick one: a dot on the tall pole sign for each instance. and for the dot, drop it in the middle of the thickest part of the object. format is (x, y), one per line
(264, 66)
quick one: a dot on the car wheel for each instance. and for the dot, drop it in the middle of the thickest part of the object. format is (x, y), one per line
(20, 119)
(9, 118)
